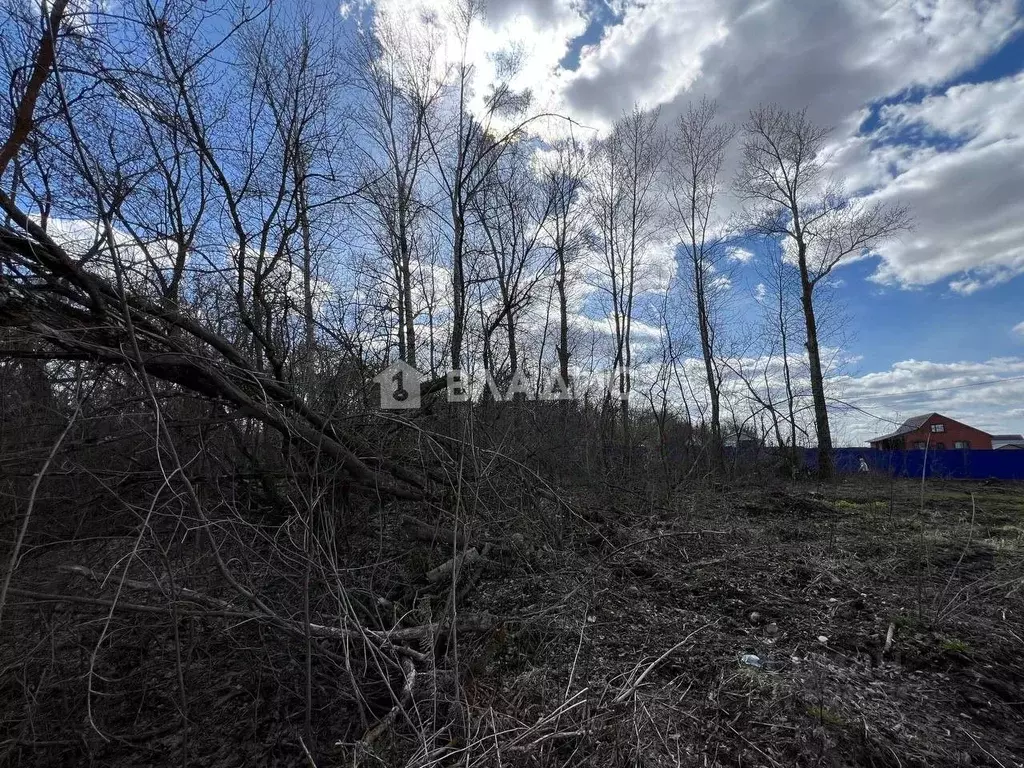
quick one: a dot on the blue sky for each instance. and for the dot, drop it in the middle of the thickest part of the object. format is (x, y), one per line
(599, 17)
(931, 322)
(926, 99)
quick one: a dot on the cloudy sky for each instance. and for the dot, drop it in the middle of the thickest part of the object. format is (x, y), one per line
(926, 98)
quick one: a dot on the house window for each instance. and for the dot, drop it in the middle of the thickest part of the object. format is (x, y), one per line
(962, 444)
(919, 445)
(940, 446)
(938, 427)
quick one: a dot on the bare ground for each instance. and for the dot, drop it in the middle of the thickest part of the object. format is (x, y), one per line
(887, 631)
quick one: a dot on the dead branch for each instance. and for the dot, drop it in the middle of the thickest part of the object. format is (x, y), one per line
(158, 588)
(42, 66)
(403, 701)
(434, 533)
(630, 689)
(446, 568)
(68, 310)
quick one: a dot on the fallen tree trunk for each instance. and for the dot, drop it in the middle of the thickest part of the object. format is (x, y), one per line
(434, 533)
(68, 313)
(446, 568)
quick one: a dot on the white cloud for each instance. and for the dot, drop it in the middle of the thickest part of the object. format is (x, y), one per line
(985, 113)
(721, 283)
(967, 201)
(838, 56)
(1019, 329)
(535, 34)
(655, 53)
(741, 255)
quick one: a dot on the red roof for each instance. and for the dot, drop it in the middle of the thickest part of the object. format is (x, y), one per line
(914, 423)
(910, 425)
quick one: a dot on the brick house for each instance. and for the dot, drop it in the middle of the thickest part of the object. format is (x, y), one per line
(935, 431)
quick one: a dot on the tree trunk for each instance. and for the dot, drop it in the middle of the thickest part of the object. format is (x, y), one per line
(705, 344)
(405, 309)
(308, 314)
(513, 353)
(458, 290)
(563, 320)
(826, 469)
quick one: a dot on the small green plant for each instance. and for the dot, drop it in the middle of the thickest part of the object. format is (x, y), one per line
(955, 645)
(909, 622)
(825, 716)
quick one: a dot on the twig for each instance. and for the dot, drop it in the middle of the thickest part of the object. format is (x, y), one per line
(752, 745)
(101, 602)
(631, 689)
(579, 646)
(305, 749)
(994, 758)
(548, 737)
(16, 552)
(937, 607)
(182, 592)
(665, 536)
(385, 638)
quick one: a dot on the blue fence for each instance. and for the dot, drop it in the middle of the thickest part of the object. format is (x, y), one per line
(978, 465)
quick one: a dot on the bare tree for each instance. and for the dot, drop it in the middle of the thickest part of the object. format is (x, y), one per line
(781, 308)
(564, 180)
(624, 205)
(512, 214)
(401, 90)
(22, 115)
(697, 152)
(240, 123)
(784, 182)
(764, 361)
(467, 147)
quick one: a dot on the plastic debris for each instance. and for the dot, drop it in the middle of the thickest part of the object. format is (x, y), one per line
(822, 639)
(751, 660)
